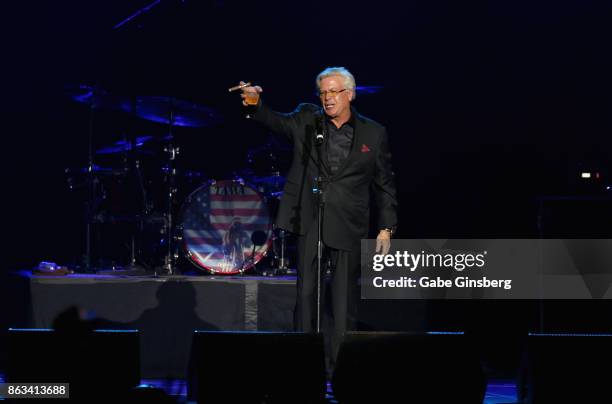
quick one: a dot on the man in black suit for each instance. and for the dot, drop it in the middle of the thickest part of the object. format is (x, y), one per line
(354, 163)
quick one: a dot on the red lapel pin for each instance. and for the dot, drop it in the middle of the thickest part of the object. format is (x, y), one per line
(365, 148)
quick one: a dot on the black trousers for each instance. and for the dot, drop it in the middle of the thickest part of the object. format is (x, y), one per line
(339, 292)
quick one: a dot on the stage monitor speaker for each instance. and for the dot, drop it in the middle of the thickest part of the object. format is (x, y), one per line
(98, 364)
(381, 367)
(566, 368)
(256, 367)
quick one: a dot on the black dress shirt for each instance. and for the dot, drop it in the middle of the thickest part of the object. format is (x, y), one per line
(339, 143)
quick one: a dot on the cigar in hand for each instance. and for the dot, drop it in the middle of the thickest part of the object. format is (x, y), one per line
(238, 87)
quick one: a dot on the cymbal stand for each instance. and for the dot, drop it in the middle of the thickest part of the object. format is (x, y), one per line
(132, 162)
(172, 153)
(92, 182)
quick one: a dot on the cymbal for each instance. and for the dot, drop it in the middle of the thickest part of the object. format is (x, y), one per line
(123, 146)
(169, 110)
(96, 169)
(78, 177)
(96, 97)
(275, 180)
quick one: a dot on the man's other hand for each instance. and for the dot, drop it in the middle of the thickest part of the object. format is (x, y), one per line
(383, 242)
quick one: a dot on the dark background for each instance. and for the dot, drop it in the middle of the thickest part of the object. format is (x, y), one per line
(489, 104)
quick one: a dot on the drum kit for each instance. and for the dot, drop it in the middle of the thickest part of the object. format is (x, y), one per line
(222, 227)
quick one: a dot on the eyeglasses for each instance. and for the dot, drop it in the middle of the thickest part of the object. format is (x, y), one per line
(332, 93)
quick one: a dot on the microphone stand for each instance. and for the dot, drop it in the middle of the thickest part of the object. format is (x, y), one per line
(319, 190)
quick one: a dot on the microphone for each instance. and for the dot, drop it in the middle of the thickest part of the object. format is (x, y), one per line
(320, 129)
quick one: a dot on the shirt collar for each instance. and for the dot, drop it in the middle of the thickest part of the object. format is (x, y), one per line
(350, 122)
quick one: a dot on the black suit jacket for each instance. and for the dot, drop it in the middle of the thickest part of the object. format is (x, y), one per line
(366, 170)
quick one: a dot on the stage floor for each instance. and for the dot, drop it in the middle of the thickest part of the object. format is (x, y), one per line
(165, 309)
(168, 309)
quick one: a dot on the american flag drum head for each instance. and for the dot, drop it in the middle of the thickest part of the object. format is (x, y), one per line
(219, 221)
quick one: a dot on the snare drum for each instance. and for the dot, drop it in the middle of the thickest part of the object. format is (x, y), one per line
(226, 227)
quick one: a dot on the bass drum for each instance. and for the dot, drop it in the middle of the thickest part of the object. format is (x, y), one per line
(226, 228)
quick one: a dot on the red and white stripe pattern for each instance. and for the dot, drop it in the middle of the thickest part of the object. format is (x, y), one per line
(209, 215)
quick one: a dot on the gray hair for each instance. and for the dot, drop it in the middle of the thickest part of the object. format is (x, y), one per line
(349, 79)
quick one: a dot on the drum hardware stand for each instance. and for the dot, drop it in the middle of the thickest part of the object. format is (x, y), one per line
(146, 206)
(132, 152)
(258, 238)
(132, 266)
(251, 258)
(92, 190)
(131, 161)
(133, 253)
(172, 152)
(282, 266)
(282, 262)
